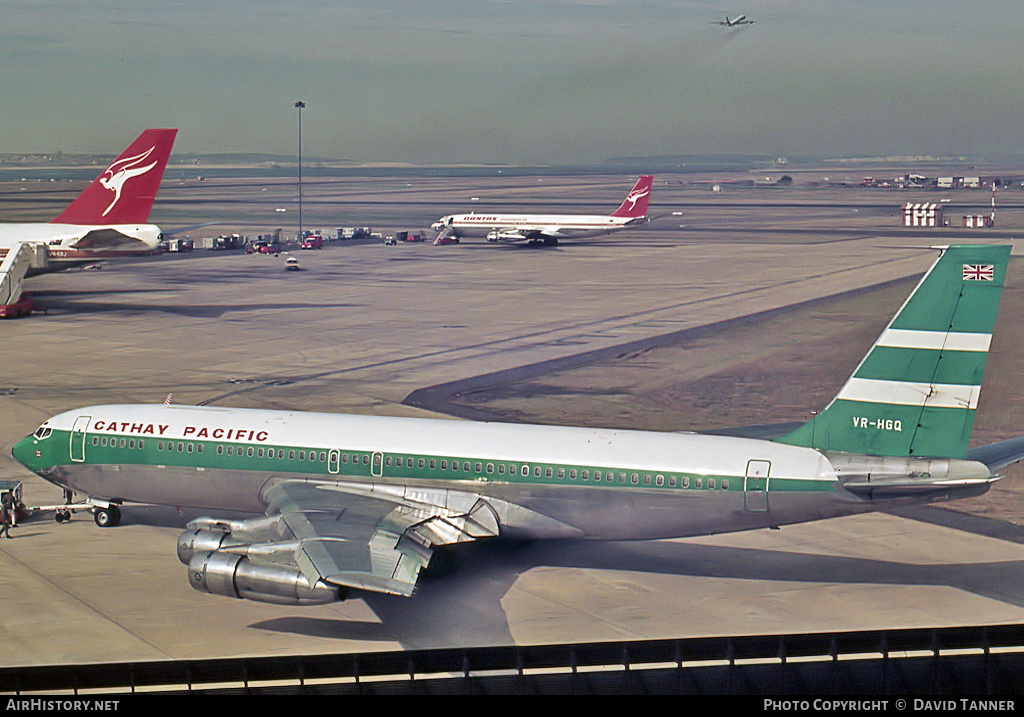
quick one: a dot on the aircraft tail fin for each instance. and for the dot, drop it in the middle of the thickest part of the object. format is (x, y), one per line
(916, 391)
(124, 193)
(635, 204)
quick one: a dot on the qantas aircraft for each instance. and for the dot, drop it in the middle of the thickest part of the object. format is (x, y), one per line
(545, 228)
(741, 20)
(108, 219)
(360, 503)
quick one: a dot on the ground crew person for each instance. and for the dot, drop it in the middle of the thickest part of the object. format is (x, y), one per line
(7, 513)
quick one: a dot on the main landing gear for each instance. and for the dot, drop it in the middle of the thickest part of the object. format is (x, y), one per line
(107, 517)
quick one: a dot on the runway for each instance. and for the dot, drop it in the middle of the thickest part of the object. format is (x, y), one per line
(762, 327)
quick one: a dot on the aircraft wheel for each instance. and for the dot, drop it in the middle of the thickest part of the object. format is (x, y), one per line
(107, 517)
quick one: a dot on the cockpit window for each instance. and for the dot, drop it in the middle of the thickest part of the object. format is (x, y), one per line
(43, 432)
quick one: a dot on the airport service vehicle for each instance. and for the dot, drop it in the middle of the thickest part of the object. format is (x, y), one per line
(107, 220)
(408, 236)
(313, 242)
(24, 305)
(362, 502)
(546, 229)
(12, 490)
(292, 264)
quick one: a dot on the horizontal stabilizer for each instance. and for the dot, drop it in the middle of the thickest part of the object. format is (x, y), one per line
(998, 455)
(108, 239)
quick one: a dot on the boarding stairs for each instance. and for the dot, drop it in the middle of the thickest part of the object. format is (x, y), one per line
(13, 269)
(442, 236)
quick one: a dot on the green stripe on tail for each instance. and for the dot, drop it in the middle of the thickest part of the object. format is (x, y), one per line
(916, 391)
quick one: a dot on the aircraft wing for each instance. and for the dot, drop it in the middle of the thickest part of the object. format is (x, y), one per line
(368, 537)
(528, 232)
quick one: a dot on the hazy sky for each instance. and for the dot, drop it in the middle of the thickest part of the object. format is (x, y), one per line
(547, 81)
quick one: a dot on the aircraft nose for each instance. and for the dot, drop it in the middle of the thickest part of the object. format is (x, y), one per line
(25, 452)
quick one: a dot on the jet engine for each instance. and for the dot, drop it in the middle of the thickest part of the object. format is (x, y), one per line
(506, 235)
(223, 573)
(249, 559)
(197, 542)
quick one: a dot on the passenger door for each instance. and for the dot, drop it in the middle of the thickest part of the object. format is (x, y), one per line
(755, 485)
(78, 432)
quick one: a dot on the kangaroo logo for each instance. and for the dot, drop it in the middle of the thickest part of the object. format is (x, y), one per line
(635, 197)
(121, 171)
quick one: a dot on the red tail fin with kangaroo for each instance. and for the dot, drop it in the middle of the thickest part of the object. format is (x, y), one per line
(635, 204)
(124, 193)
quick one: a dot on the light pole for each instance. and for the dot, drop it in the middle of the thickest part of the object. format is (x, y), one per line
(299, 106)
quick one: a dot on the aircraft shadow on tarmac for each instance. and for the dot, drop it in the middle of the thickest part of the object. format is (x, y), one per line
(53, 302)
(463, 605)
(461, 602)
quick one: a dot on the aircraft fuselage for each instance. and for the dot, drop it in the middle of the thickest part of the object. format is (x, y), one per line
(527, 227)
(68, 245)
(541, 481)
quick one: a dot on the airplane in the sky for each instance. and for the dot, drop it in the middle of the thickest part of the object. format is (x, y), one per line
(545, 228)
(741, 20)
(361, 503)
(107, 220)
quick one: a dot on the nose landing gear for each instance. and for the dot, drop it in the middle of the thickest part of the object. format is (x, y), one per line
(106, 514)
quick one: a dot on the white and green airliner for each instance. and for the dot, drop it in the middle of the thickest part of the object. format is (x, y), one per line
(360, 503)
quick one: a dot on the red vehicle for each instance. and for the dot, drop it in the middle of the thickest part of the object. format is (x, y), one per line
(313, 242)
(270, 249)
(23, 305)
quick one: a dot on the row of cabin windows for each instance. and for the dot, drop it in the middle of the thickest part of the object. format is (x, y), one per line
(180, 447)
(549, 472)
(250, 451)
(103, 442)
(279, 453)
(489, 468)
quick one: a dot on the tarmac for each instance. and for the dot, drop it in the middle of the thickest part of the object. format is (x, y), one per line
(665, 327)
